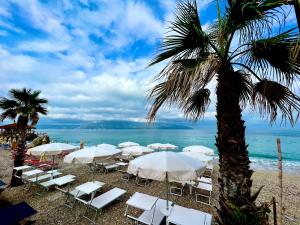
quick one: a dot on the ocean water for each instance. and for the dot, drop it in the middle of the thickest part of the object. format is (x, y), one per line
(262, 144)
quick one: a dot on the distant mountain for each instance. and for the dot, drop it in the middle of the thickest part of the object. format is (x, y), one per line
(209, 125)
(46, 123)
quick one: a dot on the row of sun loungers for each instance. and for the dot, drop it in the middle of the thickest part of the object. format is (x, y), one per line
(153, 209)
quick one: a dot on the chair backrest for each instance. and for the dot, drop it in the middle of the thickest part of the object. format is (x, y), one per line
(16, 213)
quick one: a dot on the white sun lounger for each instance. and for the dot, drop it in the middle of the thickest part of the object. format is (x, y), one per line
(185, 216)
(111, 167)
(204, 190)
(34, 172)
(155, 215)
(143, 202)
(84, 189)
(18, 168)
(44, 177)
(60, 181)
(207, 180)
(103, 200)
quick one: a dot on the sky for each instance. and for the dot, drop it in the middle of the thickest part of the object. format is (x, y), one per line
(89, 57)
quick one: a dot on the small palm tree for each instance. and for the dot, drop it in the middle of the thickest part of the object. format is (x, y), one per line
(25, 106)
(252, 63)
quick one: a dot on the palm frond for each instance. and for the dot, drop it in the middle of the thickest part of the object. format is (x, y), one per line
(21, 95)
(6, 103)
(277, 55)
(161, 95)
(186, 39)
(269, 97)
(196, 105)
(8, 114)
(253, 17)
(245, 87)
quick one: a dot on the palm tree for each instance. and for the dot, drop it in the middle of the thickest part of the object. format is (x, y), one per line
(25, 106)
(252, 64)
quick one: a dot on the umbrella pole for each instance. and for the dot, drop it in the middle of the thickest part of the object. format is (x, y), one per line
(167, 190)
(52, 166)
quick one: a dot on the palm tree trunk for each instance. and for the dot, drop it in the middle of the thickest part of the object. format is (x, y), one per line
(236, 205)
(20, 152)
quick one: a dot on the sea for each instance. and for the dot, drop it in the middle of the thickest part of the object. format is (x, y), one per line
(262, 144)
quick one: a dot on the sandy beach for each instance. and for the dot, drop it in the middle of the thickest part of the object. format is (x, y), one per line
(51, 209)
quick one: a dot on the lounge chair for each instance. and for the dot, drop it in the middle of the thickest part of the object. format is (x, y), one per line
(208, 171)
(110, 167)
(176, 189)
(155, 215)
(58, 182)
(16, 213)
(143, 182)
(203, 191)
(44, 177)
(103, 200)
(125, 175)
(186, 216)
(81, 190)
(207, 180)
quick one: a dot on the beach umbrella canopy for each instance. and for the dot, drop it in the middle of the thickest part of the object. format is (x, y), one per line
(169, 146)
(159, 165)
(199, 149)
(155, 145)
(166, 166)
(162, 146)
(51, 149)
(127, 144)
(199, 156)
(107, 146)
(136, 150)
(91, 154)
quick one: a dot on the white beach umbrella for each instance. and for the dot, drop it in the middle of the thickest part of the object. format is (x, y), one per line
(136, 150)
(107, 146)
(166, 166)
(127, 144)
(168, 146)
(199, 156)
(155, 145)
(199, 149)
(51, 149)
(91, 154)
(162, 146)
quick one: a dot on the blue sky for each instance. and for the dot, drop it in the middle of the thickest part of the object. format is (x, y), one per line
(89, 58)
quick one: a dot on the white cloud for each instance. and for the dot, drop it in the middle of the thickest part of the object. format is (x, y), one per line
(44, 46)
(4, 12)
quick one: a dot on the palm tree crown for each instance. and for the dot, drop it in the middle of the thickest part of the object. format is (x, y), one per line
(23, 103)
(243, 40)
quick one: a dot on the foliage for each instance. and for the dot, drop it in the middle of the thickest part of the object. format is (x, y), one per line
(23, 103)
(265, 60)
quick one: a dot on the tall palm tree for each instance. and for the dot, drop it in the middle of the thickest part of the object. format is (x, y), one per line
(25, 105)
(252, 64)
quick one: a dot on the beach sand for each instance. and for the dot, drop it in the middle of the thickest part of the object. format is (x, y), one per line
(51, 209)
